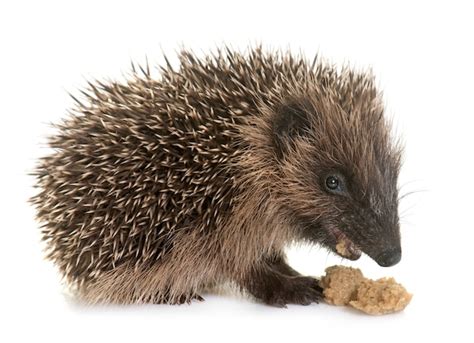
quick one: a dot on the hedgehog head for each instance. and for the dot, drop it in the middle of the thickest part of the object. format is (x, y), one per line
(338, 167)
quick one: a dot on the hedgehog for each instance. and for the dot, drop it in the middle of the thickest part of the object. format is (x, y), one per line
(160, 188)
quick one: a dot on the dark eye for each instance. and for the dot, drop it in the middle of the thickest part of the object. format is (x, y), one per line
(332, 182)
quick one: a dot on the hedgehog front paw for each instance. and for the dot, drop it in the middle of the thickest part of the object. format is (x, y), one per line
(301, 290)
(279, 290)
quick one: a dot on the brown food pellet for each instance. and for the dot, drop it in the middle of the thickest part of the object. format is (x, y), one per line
(348, 286)
(340, 284)
(381, 296)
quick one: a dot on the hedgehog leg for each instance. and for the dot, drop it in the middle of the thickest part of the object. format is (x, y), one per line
(270, 286)
(278, 263)
(177, 300)
(185, 299)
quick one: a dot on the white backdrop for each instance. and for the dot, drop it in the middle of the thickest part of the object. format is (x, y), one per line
(422, 54)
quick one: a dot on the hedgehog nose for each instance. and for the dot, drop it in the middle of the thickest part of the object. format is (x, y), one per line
(389, 258)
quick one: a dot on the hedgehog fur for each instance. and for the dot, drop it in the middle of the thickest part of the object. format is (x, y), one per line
(158, 188)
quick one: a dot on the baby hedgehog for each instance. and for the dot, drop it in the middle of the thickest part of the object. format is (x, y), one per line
(160, 188)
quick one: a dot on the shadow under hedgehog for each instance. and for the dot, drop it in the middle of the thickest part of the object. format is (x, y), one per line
(159, 188)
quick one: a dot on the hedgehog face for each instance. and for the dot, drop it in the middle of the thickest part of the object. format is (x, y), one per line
(359, 216)
(339, 170)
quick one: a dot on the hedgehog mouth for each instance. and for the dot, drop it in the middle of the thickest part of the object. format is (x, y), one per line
(344, 247)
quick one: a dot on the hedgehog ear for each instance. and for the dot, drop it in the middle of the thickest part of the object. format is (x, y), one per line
(290, 120)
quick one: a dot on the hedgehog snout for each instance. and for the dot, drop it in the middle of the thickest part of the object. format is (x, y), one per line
(389, 257)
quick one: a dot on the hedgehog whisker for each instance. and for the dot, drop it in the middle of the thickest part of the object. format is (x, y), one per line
(405, 195)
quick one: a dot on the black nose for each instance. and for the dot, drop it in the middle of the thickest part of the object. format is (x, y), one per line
(389, 258)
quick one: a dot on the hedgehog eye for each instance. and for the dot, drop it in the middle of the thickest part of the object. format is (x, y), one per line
(332, 182)
(335, 183)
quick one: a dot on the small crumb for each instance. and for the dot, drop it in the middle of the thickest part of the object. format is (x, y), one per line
(341, 248)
